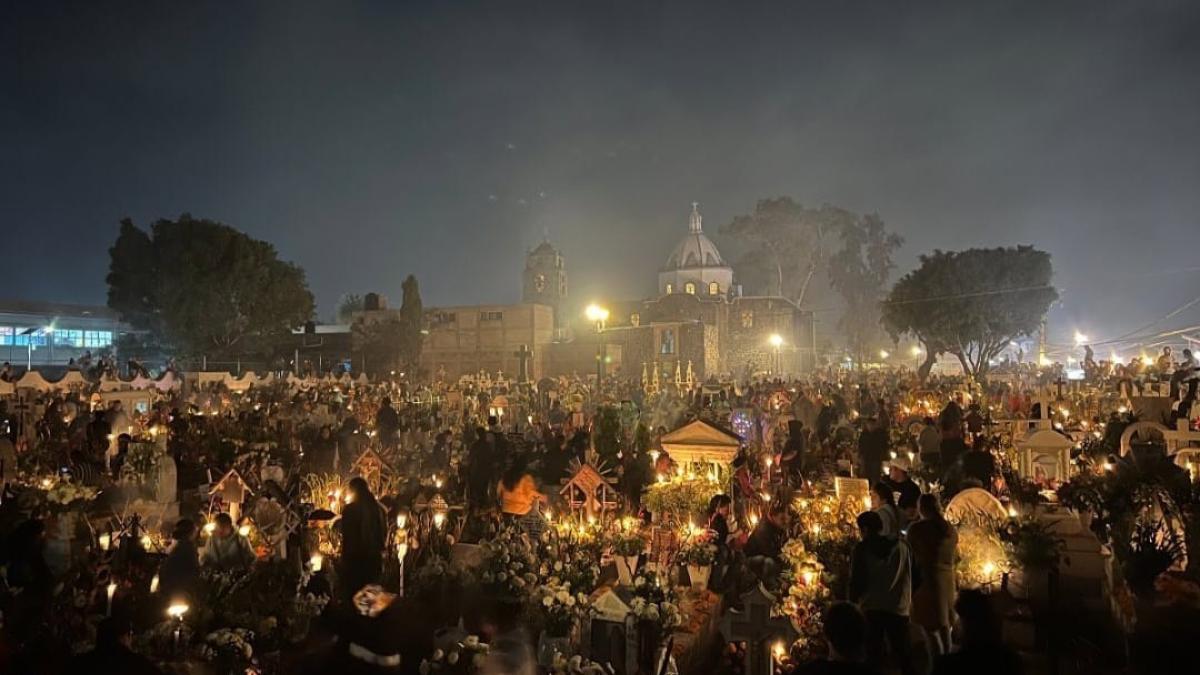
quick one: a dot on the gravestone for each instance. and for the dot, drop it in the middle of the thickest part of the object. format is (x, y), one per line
(755, 626)
(166, 488)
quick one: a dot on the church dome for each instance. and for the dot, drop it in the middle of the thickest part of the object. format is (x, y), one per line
(695, 249)
(695, 266)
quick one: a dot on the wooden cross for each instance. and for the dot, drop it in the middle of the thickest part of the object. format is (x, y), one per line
(24, 408)
(755, 625)
(524, 354)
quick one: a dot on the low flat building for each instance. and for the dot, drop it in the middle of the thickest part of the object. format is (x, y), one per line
(51, 334)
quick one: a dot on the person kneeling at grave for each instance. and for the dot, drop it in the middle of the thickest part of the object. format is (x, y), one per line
(226, 548)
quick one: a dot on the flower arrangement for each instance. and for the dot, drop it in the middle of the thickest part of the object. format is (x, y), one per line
(681, 496)
(574, 565)
(804, 596)
(627, 541)
(61, 493)
(982, 560)
(576, 665)
(697, 552)
(654, 601)
(826, 524)
(509, 567)
(232, 647)
(560, 607)
(463, 658)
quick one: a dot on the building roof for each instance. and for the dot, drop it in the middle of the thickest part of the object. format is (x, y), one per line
(57, 309)
(544, 247)
(695, 249)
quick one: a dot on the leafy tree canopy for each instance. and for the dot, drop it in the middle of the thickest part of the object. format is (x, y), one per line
(972, 303)
(787, 243)
(390, 339)
(348, 305)
(858, 272)
(204, 287)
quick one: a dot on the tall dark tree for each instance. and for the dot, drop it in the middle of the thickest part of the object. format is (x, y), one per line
(786, 243)
(203, 287)
(972, 303)
(858, 272)
(378, 340)
(348, 305)
(412, 318)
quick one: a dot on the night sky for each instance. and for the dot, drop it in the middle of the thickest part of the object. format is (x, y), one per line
(372, 140)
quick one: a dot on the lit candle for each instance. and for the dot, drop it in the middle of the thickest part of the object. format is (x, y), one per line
(105, 541)
(401, 520)
(315, 562)
(112, 590)
(244, 530)
(438, 519)
(154, 584)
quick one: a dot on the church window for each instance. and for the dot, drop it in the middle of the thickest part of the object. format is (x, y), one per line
(689, 288)
(668, 342)
(747, 318)
(539, 283)
(635, 319)
(714, 288)
(670, 288)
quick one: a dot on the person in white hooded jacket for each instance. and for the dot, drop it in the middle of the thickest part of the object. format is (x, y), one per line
(881, 583)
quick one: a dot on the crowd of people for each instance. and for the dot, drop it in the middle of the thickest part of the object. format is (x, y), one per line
(898, 608)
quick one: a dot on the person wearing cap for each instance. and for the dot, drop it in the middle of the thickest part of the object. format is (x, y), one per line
(906, 489)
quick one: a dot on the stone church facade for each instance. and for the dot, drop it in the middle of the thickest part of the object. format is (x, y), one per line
(698, 316)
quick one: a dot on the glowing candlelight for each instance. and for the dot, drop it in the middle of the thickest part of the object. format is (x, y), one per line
(209, 528)
(244, 530)
(112, 590)
(105, 541)
(438, 519)
(315, 562)
(154, 584)
(401, 520)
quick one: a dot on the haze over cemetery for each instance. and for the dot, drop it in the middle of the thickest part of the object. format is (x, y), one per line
(630, 338)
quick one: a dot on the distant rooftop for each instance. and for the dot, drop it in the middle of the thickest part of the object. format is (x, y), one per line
(56, 309)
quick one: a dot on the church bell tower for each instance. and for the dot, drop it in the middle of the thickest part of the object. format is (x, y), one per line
(545, 279)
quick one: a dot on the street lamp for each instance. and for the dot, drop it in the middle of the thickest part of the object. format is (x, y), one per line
(776, 341)
(916, 353)
(598, 315)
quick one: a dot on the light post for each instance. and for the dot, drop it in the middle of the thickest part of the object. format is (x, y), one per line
(916, 353)
(598, 315)
(776, 341)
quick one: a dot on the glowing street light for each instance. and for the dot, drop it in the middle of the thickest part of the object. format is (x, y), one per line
(595, 313)
(883, 353)
(598, 315)
(776, 341)
(915, 351)
(1080, 339)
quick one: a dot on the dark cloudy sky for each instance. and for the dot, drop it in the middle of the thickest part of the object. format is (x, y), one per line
(371, 140)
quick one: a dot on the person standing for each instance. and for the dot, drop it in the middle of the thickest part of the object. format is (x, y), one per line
(881, 580)
(180, 570)
(933, 541)
(364, 534)
(883, 503)
(872, 448)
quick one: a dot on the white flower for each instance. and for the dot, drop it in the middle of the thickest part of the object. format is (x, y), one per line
(452, 658)
(570, 601)
(547, 601)
(438, 654)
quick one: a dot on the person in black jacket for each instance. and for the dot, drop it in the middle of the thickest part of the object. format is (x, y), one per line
(364, 534)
